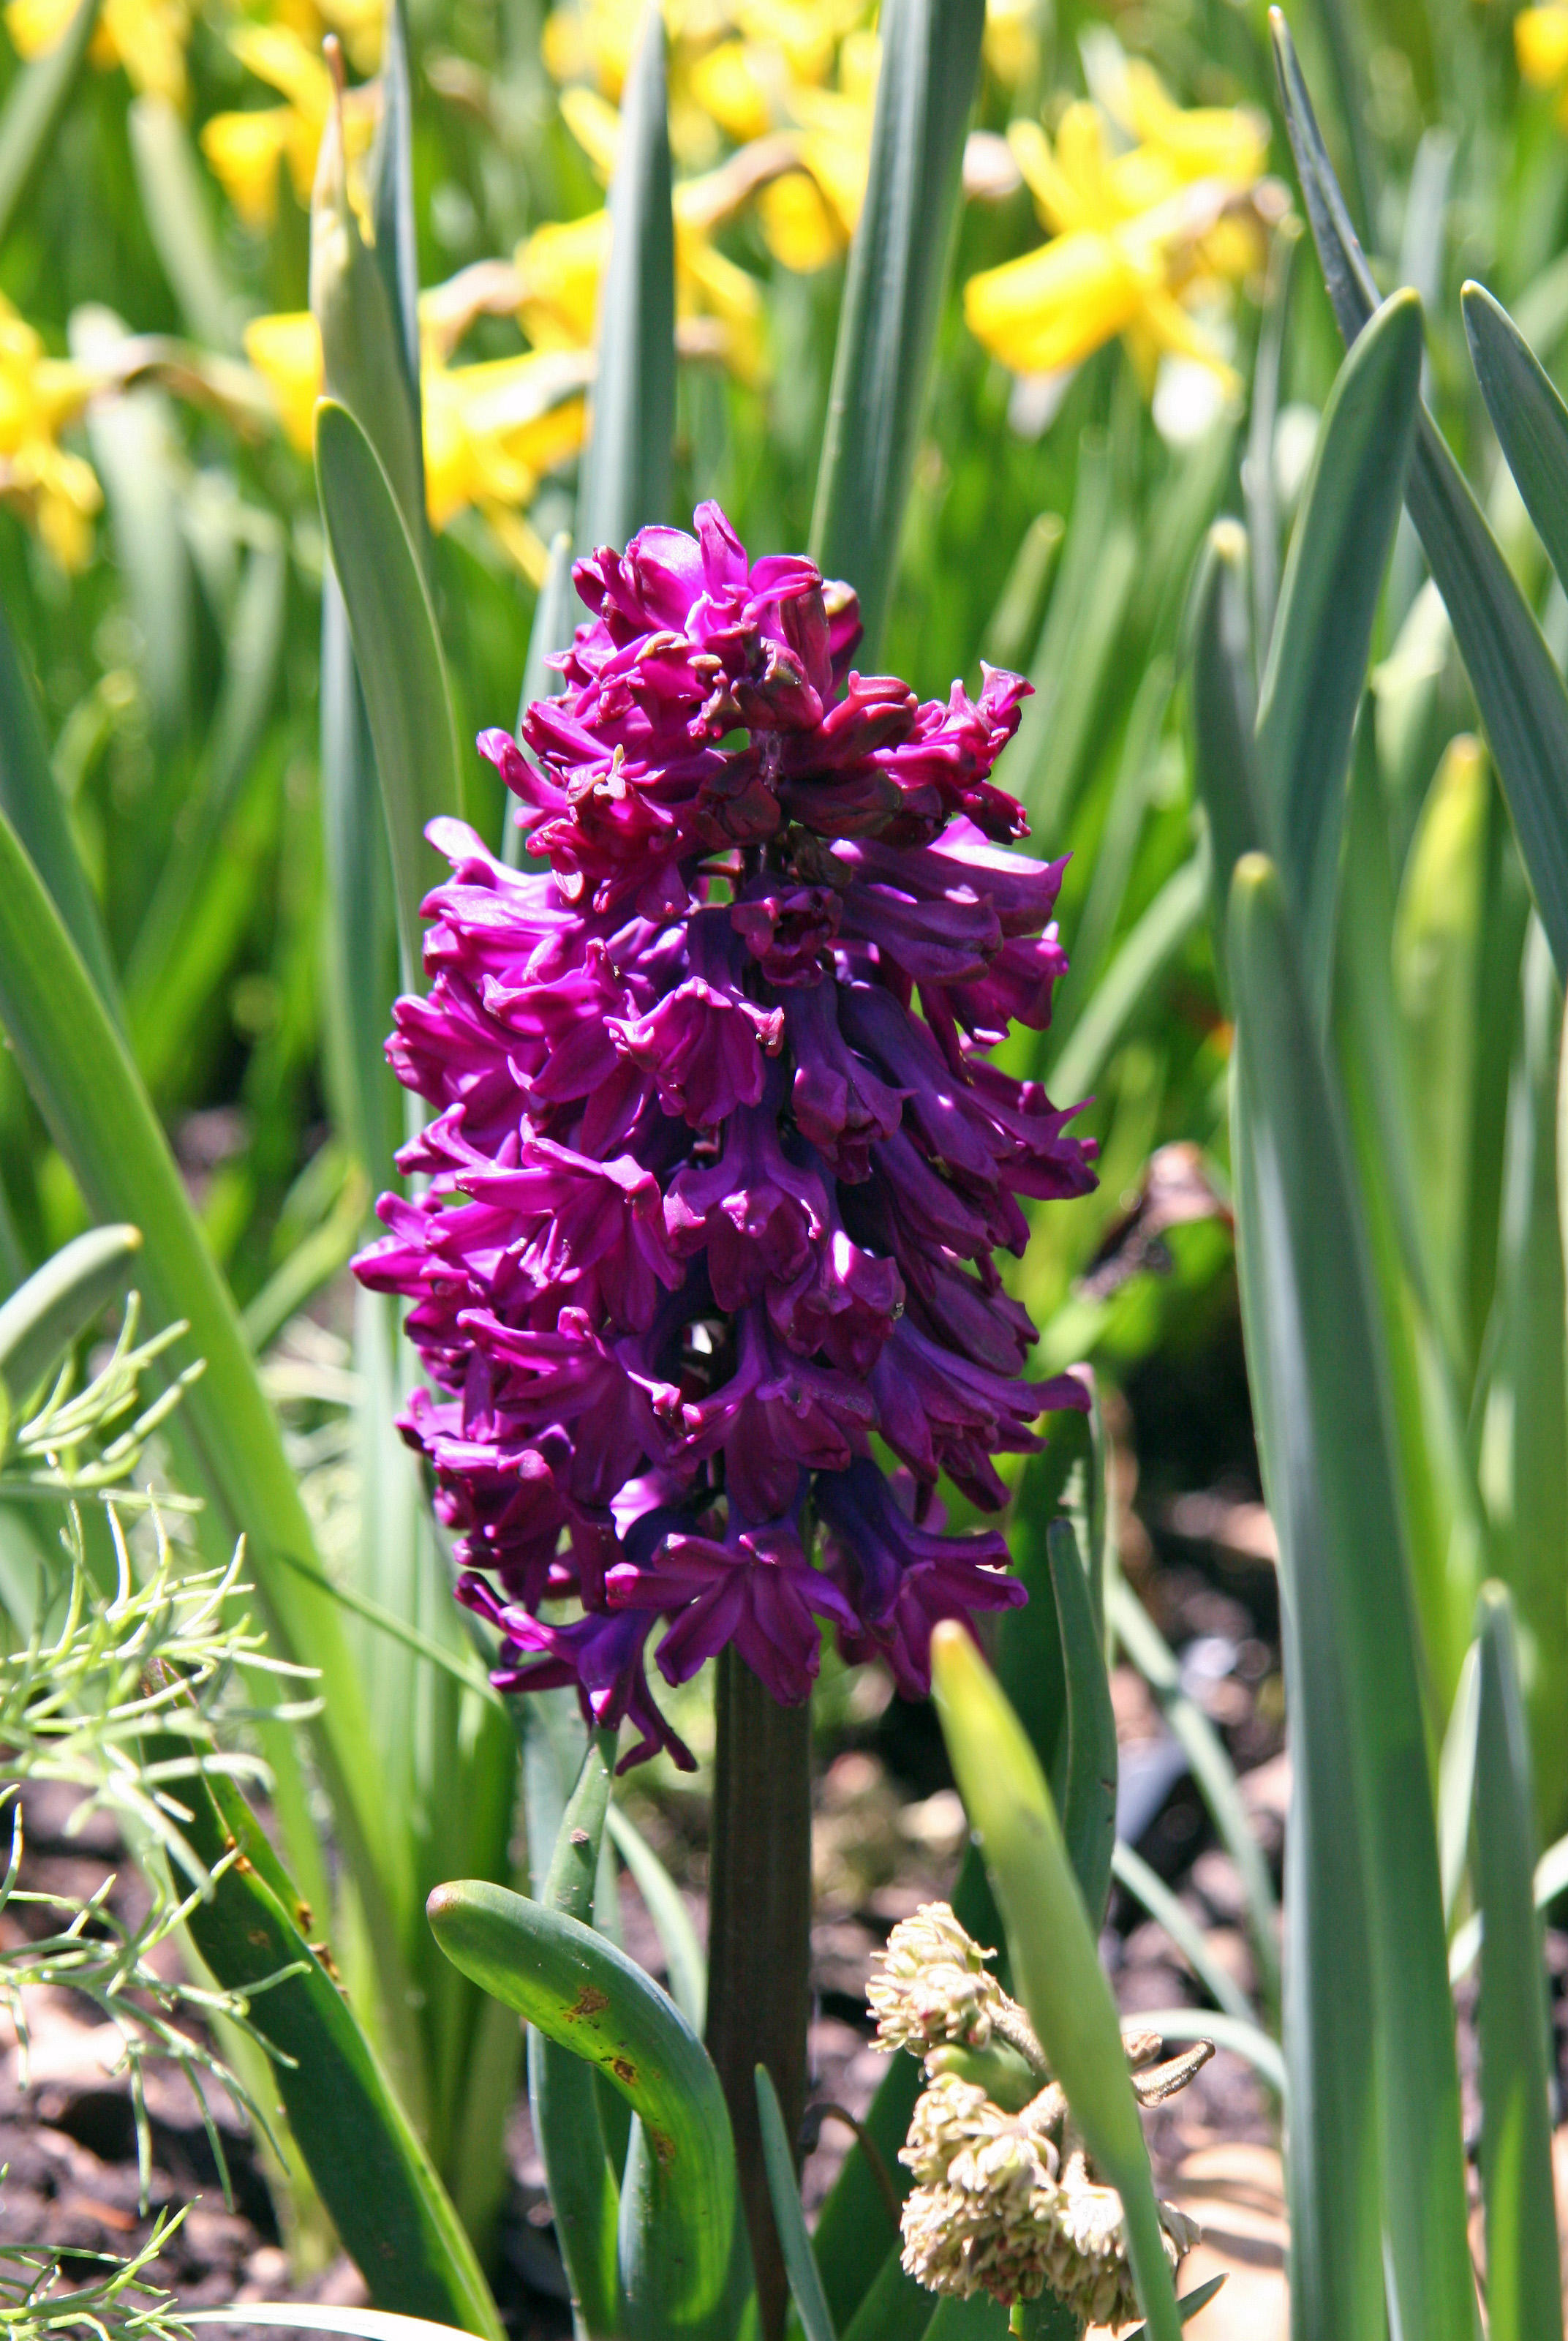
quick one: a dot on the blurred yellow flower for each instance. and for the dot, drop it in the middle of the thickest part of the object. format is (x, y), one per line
(147, 37)
(493, 431)
(1012, 40)
(734, 64)
(57, 492)
(808, 215)
(1541, 46)
(1141, 237)
(245, 149)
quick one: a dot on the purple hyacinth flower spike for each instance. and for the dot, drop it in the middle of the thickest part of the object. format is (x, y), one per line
(718, 1159)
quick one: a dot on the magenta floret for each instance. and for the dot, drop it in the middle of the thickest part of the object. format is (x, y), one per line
(718, 1161)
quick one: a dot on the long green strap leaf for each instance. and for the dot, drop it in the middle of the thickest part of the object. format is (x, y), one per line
(1224, 715)
(1523, 2279)
(1146, 952)
(1316, 668)
(1529, 418)
(1086, 1793)
(225, 1434)
(30, 800)
(1319, 1388)
(1213, 1770)
(584, 2194)
(784, 2191)
(626, 481)
(372, 2174)
(36, 101)
(683, 1954)
(362, 922)
(1053, 1945)
(397, 650)
(1517, 687)
(396, 246)
(892, 297)
(1147, 1886)
(679, 2181)
(42, 1318)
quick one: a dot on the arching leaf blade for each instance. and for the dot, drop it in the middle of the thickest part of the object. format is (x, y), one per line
(1524, 2280)
(892, 297)
(1317, 656)
(397, 650)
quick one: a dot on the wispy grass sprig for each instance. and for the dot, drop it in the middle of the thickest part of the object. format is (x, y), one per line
(94, 1953)
(82, 1700)
(121, 2306)
(66, 1449)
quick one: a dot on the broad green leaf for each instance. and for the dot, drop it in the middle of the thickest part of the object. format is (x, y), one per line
(683, 1954)
(1052, 1942)
(1418, 1307)
(374, 2176)
(1147, 1887)
(365, 361)
(140, 457)
(44, 1316)
(892, 295)
(1123, 990)
(31, 802)
(396, 246)
(805, 2283)
(1352, 1675)
(1528, 416)
(680, 2180)
(397, 650)
(1258, 471)
(626, 475)
(1213, 1770)
(174, 206)
(1135, 784)
(1524, 1444)
(1551, 1880)
(35, 106)
(1523, 2279)
(1517, 687)
(1085, 1792)
(584, 2194)
(362, 947)
(1014, 627)
(1316, 667)
(1456, 940)
(1224, 715)
(165, 980)
(225, 1435)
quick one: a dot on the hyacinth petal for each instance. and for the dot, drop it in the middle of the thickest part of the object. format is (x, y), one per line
(717, 1161)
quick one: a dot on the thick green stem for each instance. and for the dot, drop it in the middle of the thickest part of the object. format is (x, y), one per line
(759, 1936)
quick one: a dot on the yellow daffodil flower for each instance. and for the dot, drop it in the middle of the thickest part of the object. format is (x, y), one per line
(493, 431)
(245, 149)
(1541, 46)
(148, 37)
(57, 492)
(1140, 235)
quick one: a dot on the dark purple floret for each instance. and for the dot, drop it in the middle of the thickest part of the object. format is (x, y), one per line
(718, 1161)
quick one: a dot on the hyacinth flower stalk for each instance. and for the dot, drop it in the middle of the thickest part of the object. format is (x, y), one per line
(703, 1233)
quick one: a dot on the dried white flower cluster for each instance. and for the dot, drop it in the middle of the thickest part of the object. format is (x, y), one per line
(1005, 2202)
(934, 1985)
